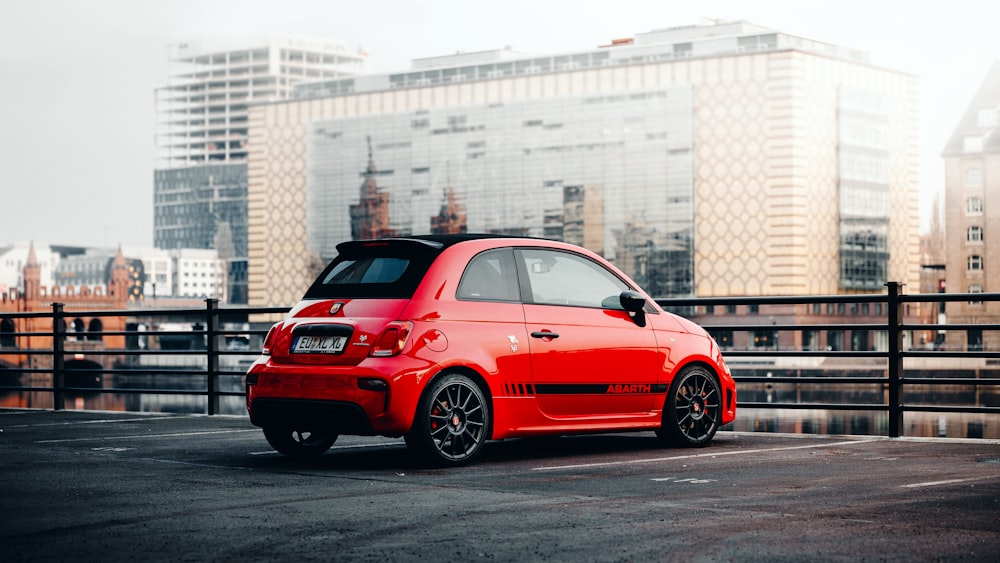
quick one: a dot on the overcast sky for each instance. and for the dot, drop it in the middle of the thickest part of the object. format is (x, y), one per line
(76, 102)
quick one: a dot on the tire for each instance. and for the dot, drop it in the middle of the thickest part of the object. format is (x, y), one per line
(693, 408)
(299, 444)
(452, 422)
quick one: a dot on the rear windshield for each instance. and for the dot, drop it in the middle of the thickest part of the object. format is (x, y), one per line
(375, 269)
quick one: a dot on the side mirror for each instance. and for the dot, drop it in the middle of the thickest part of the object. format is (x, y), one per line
(635, 304)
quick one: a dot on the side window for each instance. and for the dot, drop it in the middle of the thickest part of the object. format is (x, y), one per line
(490, 276)
(561, 278)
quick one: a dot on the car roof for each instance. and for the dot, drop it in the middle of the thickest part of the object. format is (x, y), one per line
(443, 241)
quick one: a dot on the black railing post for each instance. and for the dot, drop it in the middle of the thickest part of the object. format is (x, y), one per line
(58, 357)
(895, 364)
(212, 351)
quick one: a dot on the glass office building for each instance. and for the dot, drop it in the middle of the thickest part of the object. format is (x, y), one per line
(719, 160)
(611, 172)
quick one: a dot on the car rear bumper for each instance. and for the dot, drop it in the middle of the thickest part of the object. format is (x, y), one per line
(338, 399)
(338, 417)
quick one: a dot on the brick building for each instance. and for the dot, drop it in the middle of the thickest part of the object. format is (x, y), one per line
(85, 340)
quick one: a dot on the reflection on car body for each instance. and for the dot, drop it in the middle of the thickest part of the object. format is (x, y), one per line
(454, 340)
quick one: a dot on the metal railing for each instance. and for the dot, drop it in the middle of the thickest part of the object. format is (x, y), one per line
(894, 355)
(202, 362)
(206, 365)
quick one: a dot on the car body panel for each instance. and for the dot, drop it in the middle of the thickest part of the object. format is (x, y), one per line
(600, 363)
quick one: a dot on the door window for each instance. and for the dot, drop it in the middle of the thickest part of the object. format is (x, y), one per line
(561, 278)
(490, 276)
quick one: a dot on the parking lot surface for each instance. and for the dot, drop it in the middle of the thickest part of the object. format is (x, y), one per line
(89, 486)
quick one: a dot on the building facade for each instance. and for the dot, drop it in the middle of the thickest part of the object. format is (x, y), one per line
(200, 188)
(721, 160)
(154, 274)
(13, 258)
(86, 336)
(972, 216)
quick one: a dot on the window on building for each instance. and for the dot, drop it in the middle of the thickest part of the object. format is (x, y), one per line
(810, 339)
(7, 330)
(765, 338)
(976, 340)
(78, 328)
(974, 205)
(974, 263)
(94, 330)
(731, 309)
(987, 117)
(974, 178)
(723, 337)
(973, 144)
(859, 340)
(835, 340)
(753, 309)
(975, 288)
(974, 234)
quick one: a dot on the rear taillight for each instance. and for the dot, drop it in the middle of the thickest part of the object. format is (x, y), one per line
(269, 339)
(392, 339)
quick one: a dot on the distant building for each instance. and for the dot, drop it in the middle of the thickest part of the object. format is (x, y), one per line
(720, 160)
(201, 206)
(203, 110)
(13, 259)
(85, 335)
(200, 186)
(932, 280)
(153, 273)
(972, 216)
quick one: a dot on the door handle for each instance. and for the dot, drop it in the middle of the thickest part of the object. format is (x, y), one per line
(545, 334)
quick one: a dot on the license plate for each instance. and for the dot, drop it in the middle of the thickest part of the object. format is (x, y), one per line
(319, 344)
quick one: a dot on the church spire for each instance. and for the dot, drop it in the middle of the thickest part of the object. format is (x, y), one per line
(32, 274)
(119, 283)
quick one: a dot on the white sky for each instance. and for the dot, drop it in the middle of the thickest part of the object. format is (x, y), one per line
(76, 97)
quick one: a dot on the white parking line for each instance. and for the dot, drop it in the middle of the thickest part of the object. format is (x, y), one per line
(355, 446)
(139, 436)
(194, 464)
(936, 483)
(78, 422)
(692, 456)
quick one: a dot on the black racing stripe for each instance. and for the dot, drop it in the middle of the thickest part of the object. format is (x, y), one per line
(570, 389)
(599, 388)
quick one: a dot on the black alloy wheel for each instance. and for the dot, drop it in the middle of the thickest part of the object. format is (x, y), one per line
(693, 408)
(299, 444)
(452, 422)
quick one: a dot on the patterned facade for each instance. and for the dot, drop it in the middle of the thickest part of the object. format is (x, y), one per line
(735, 186)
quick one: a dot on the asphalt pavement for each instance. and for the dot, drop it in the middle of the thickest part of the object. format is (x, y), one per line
(98, 486)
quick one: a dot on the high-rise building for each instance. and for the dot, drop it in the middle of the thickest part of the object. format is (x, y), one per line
(720, 160)
(200, 188)
(972, 216)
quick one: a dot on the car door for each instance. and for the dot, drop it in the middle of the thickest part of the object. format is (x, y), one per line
(588, 356)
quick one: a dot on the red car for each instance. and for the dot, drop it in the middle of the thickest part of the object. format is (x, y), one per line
(453, 340)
